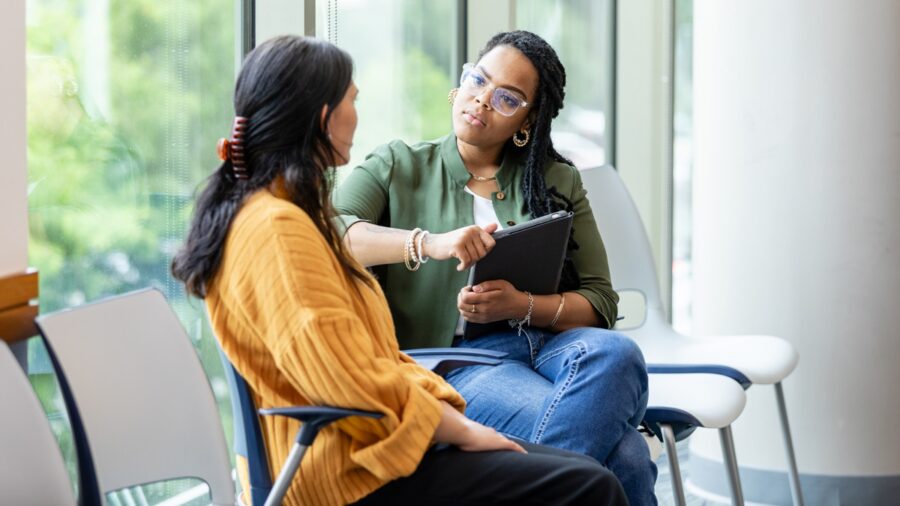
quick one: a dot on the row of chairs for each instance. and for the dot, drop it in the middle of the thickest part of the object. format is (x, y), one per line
(142, 410)
(745, 360)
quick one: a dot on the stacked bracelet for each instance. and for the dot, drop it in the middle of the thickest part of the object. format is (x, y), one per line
(527, 319)
(409, 251)
(421, 252)
(413, 257)
(562, 304)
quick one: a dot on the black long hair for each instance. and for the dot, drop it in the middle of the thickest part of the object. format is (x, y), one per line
(540, 200)
(281, 89)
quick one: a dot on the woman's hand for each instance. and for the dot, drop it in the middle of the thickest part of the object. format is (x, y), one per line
(491, 301)
(469, 435)
(480, 438)
(467, 244)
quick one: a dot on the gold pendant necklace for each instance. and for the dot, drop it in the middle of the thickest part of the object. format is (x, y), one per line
(500, 194)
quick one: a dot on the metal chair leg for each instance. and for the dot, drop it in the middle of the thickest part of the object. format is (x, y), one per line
(279, 488)
(793, 472)
(674, 469)
(734, 478)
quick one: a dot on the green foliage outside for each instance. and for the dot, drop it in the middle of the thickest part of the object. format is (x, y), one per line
(122, 122)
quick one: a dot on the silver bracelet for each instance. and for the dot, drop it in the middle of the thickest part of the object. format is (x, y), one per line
(419, 251)
(527, 319)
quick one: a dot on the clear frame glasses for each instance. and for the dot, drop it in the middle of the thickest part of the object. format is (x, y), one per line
(504, 101)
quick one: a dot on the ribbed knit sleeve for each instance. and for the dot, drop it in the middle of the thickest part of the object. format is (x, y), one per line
(328, 353)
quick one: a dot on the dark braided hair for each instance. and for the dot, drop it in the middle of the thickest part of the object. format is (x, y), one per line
(540, 200)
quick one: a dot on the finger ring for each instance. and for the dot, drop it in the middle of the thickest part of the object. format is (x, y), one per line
(474, 309)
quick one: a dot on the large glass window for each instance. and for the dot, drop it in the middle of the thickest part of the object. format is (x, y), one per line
(581, 32)
(404, 52)
(125, 102)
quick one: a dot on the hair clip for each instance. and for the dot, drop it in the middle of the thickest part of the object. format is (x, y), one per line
(233, 149)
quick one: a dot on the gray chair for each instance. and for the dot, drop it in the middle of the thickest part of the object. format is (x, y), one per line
(139, 403)
(31, 466)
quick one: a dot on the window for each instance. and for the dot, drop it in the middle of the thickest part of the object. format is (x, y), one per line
(682, 166)
(404, 53)
(125, 103)
(581, 32)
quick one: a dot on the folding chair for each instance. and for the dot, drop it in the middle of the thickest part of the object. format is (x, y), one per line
(744, 359)
(32, 470)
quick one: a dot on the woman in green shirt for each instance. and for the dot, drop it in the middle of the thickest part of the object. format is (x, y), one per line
(568, 381)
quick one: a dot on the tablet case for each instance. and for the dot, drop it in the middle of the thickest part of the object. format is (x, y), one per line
(529, 255)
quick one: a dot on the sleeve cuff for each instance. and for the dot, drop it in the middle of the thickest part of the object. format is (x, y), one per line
(343, 222)
(400, 453)
(601, 307)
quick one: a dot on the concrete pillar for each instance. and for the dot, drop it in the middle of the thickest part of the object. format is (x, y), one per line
(13, 172)
(797, 234)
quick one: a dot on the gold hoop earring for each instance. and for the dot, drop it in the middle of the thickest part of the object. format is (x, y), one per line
(521, 142)
(451, 97)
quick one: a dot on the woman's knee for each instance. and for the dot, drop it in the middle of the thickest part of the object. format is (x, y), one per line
(618, 350)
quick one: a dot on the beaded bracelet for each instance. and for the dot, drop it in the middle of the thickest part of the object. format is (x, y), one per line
(527, 319)
(410, 259)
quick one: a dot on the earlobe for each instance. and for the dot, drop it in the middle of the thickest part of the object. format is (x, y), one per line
(529, 121)
(324, 114)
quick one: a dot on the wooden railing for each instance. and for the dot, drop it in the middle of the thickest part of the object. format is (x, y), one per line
(18, 305)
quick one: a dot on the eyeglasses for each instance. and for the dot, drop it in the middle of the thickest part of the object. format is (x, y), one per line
(504, 101)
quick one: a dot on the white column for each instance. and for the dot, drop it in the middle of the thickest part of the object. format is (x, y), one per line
(13, 170)
(797, 233)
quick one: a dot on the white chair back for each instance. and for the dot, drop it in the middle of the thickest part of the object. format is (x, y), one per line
(143, 398)
(624, 237)
(31, 466)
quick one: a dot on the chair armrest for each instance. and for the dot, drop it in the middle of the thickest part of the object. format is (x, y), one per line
(444, 364)
(476, 352)
(314, 418)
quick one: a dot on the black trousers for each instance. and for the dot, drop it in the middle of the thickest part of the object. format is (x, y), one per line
(545, 476)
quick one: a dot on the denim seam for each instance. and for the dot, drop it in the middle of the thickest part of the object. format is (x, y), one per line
(532, 349)
(563, 389)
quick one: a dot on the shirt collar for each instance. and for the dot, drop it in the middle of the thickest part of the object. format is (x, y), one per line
(459, 173)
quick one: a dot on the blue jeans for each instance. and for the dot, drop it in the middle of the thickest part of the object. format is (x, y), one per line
(583, 390)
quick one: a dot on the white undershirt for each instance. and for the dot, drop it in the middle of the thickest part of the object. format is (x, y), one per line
(483, 210)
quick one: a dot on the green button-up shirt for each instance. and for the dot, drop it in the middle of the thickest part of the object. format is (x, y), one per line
(423, 186)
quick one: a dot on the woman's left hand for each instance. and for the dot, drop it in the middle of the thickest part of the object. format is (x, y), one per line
(491, 301)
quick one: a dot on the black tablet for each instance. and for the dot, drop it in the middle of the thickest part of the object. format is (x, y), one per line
(529, 255)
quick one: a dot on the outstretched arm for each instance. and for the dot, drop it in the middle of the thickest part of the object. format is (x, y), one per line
(372, 244)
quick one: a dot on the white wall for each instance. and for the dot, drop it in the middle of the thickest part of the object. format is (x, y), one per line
(797, 220)
(13, 170)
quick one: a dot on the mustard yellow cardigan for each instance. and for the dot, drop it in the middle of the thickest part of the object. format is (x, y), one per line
(294, 327)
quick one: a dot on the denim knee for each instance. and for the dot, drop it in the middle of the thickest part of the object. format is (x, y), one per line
(620, 352)
(621, 363)
(629, 353)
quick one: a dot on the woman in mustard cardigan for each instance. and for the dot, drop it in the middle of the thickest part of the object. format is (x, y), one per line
(305, 324)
